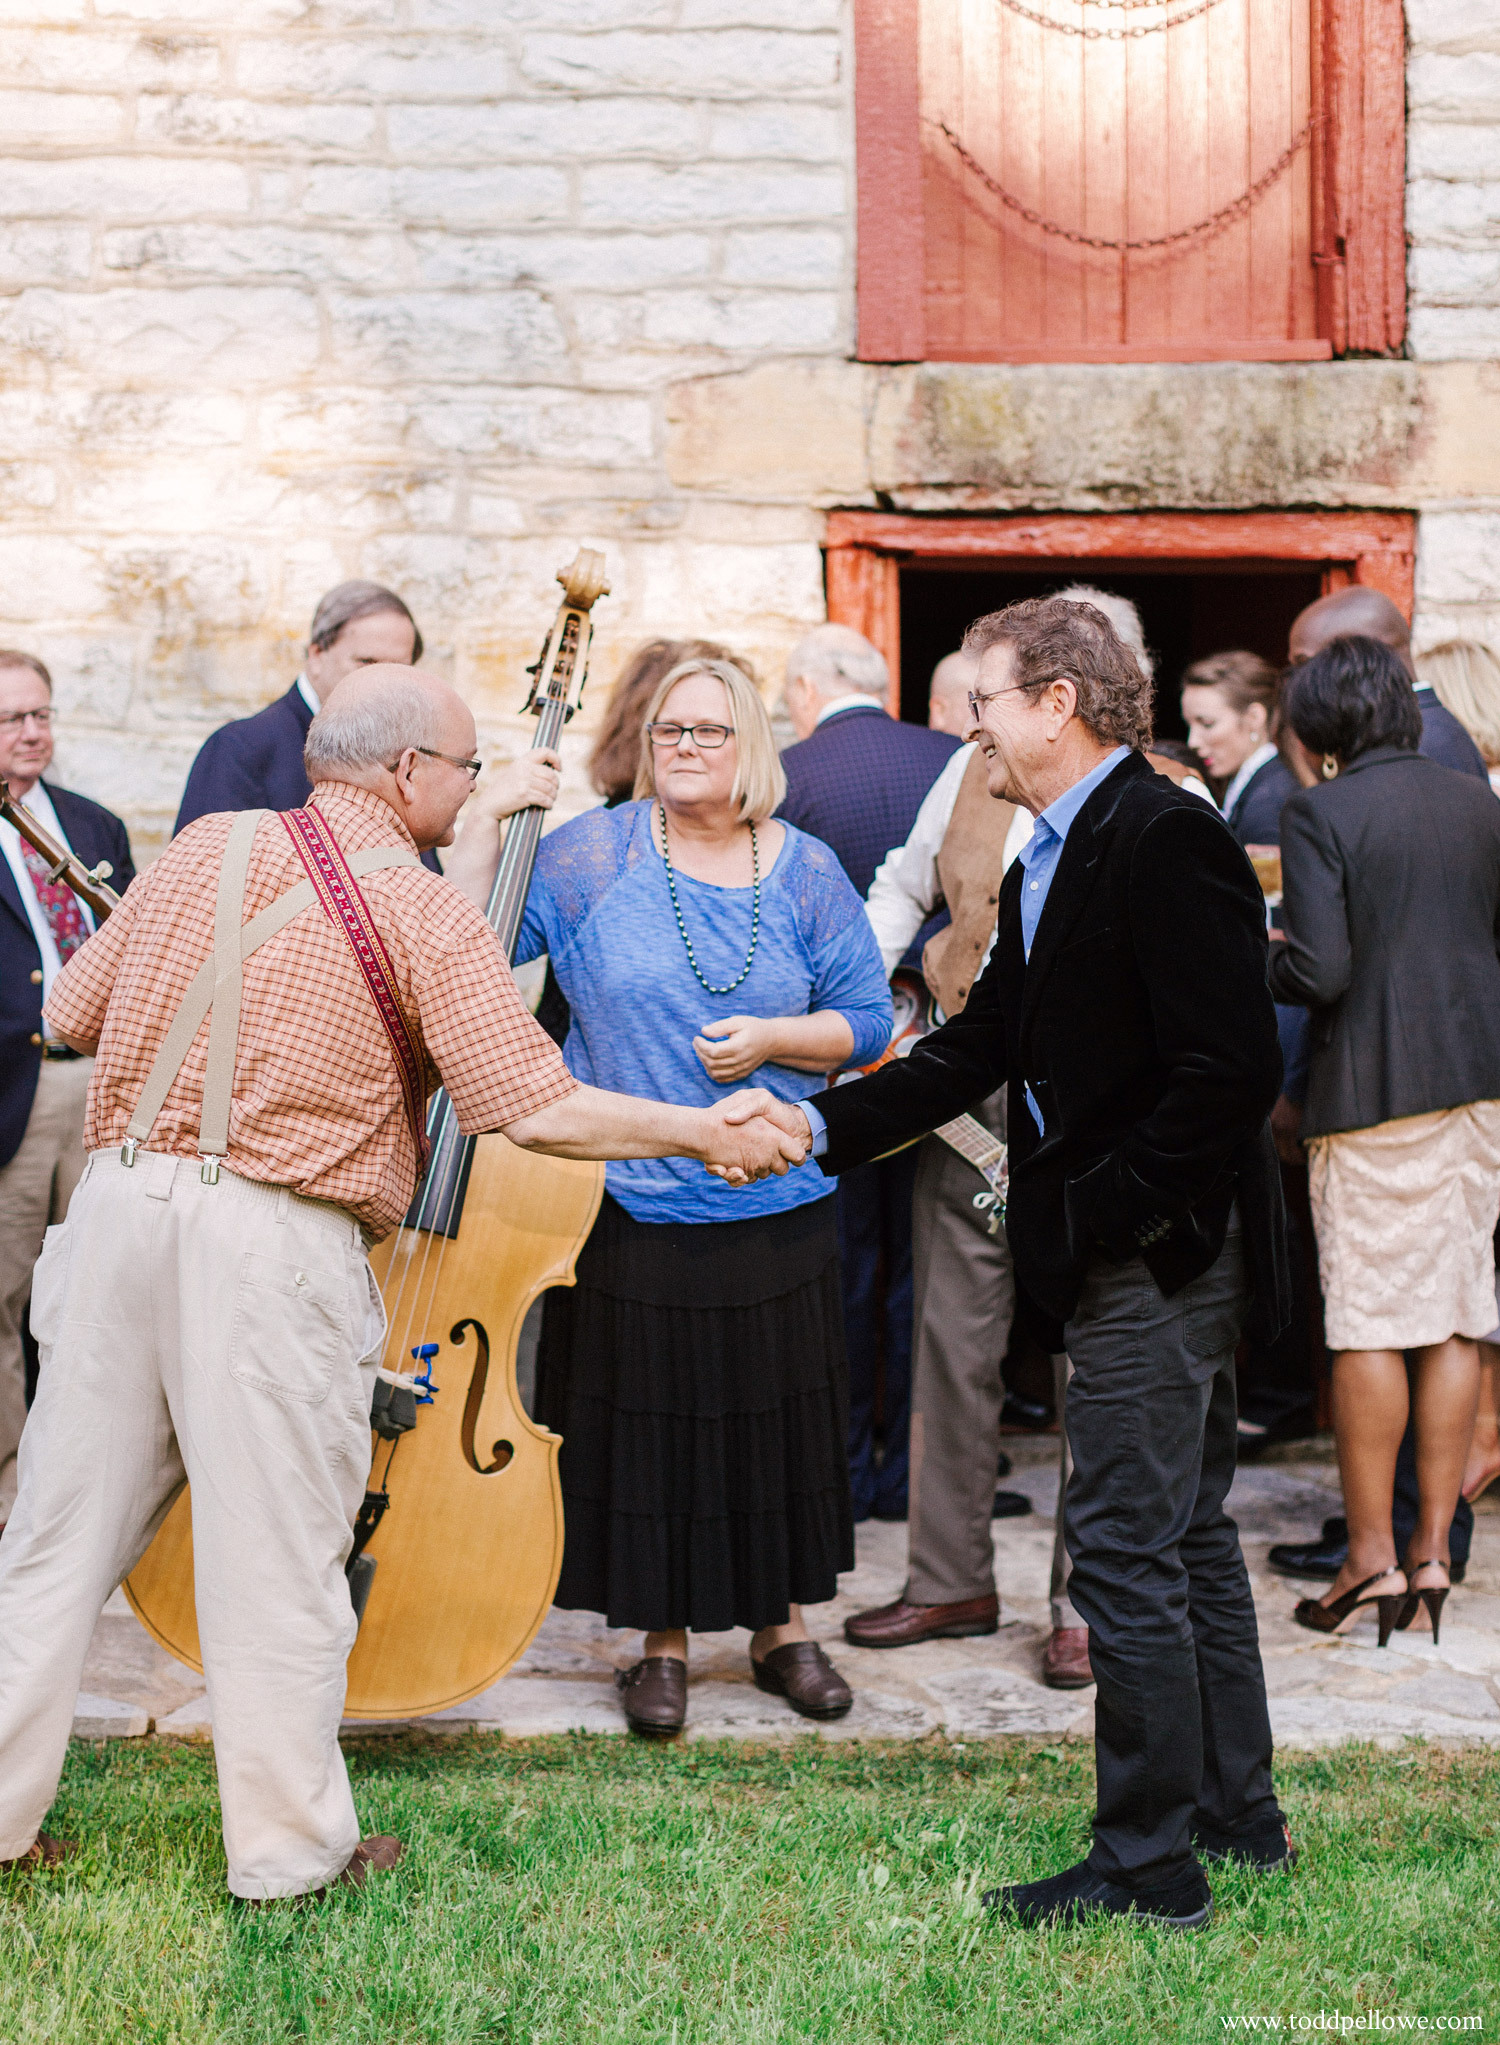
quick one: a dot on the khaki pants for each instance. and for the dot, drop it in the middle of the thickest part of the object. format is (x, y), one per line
(964, 1305)
(227, 1334)
(35, 1188)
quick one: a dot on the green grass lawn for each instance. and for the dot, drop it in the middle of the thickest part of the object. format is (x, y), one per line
(595, 1889)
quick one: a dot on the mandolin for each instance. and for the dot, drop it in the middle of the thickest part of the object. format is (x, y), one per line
(459, 1540)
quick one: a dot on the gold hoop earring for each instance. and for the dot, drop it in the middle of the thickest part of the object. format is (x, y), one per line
(1330, 766)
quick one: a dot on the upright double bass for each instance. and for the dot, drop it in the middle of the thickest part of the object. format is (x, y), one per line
(459, 1540)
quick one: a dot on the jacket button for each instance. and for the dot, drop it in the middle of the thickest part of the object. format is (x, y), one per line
(36, 977)
(36, 1036)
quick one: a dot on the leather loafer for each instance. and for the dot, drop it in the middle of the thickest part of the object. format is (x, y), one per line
(802, 1674)
(1065, 1666)
(375, 1855)
(655, 1695)
(903, 1625)
(45, 1851)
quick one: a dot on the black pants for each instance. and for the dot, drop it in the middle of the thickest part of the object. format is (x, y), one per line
(1181, 1725)
(874, 1217)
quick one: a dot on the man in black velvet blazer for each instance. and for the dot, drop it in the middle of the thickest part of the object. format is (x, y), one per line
(1126, 1005)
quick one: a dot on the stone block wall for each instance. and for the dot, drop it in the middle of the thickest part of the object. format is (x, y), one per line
(436, 290)
(292, 290)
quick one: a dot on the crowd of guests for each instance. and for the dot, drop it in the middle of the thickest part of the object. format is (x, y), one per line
(741, 1375)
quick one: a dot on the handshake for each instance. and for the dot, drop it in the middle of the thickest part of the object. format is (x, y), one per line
(752, 1134)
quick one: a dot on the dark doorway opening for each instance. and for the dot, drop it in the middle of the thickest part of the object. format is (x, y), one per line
(1188, 610)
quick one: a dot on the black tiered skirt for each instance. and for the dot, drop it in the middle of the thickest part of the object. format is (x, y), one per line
(697, 1376)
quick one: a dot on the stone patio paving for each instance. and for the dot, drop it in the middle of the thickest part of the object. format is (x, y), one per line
(1322, 1689)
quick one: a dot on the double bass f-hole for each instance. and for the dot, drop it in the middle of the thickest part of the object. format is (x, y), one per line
(501, 1451)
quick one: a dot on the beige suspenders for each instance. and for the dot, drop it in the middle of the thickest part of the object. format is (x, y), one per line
(216, 990)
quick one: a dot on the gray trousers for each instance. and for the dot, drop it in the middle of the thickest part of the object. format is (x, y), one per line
(1182, 1731)
(964, 1303)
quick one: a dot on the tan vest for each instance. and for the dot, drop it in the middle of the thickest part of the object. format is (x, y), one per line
(969, 865)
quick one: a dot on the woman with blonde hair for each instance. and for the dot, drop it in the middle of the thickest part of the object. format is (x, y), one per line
(1465, 678)
(696, 1372)
(614, 762)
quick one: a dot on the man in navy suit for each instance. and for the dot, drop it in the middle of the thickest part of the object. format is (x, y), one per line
(43, 1084)
(256, 762)
(856, 779)
(1369, 614)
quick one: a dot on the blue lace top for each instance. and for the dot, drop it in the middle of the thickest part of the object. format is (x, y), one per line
(599, 906)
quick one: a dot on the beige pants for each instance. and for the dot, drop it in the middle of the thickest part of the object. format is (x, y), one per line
(964, 1301)
(228, 1334)
(35, 1188)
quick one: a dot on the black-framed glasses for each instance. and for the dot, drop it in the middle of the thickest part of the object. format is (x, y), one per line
(708, 737)
(472, 768)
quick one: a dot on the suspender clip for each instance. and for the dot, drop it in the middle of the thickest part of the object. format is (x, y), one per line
(208, 1171)
(127, 1151)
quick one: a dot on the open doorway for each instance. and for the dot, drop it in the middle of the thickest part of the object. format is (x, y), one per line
(1188, 609)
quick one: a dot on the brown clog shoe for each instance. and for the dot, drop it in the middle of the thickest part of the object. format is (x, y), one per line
(802, 1674)
(45, 1852)
(654, 1692)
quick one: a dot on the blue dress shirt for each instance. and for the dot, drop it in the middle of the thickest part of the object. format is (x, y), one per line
(1039, 855)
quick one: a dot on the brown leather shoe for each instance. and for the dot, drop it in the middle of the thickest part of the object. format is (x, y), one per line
(655, 1695)
(45, 1852)
(1065, 1666)
(903, 1625)
(379, 1852)
(802, 1674)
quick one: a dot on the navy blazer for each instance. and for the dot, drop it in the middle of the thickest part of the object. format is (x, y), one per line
(1256, 816)
(255, 763)
(1445, 740)
(857, 783)
(94, 833)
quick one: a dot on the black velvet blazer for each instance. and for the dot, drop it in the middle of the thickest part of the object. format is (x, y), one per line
(1144, 1027)
(1391, 907)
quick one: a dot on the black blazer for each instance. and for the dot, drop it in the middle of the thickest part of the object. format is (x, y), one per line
(255, 763)
(1256, 816)
(94, 833)
(1143, 1025)
(1391, 907)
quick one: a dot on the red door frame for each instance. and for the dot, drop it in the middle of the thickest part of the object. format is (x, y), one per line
(865, 552)
(1359, 183)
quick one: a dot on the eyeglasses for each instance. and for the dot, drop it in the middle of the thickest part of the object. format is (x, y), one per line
(707, 737)
(471, 767)
(977, 702)
(17, 718)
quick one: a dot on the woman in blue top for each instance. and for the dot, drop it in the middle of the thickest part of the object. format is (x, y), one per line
(696, 1372)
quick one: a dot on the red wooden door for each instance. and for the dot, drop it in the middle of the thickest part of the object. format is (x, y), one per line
(1008, 147)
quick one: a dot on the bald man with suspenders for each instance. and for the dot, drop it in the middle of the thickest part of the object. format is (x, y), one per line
(271, 1005)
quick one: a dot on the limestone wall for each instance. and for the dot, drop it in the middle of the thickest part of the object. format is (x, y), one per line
(434, 290)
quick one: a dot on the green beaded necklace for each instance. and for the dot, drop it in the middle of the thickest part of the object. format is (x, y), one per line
(666, 856)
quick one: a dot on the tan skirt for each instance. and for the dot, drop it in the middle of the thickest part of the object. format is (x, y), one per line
(1405, 1217)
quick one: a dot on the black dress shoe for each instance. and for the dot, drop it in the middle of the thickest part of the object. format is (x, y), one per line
(1266, 1844)
(1010, 1505)
(655, 1695)
(1323, 1558)
(1078, 1893)
(1027, 1413)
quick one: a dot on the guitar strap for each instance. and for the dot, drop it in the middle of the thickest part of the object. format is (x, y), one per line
(346, 908)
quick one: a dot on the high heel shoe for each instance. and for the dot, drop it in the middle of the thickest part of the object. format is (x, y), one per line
(1318, 1617)
(1432, 1596)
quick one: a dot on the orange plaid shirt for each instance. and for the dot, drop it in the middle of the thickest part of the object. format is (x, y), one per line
(317, 1100)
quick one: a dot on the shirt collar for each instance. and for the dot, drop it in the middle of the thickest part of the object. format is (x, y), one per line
(1261, 757)
(373, 808)
(307, 692)
(1058, 816)
(843, 703)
